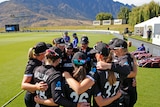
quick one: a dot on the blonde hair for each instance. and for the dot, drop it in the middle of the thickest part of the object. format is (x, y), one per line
(30, 53)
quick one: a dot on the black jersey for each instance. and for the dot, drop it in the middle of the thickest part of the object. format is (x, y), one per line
(67, 63)
(59, 67)
(49, 75)
(87, 52)
(74, 97)
(126, 84)
(101, 79)
(121, 65)
(126, 60)
(107, 90)
(32, 64)
(86, 96)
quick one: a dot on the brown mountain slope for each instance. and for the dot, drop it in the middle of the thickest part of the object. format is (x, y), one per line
(11, 13)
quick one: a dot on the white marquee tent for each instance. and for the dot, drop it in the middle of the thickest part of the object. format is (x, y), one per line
(141, 28)
(154, 25)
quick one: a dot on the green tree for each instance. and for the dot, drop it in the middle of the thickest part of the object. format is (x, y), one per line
(144, 12)
(141, 18)
(124, 13)
(104, 16)
(133, 19)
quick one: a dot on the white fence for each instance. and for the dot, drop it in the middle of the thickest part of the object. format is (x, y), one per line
(110, 22)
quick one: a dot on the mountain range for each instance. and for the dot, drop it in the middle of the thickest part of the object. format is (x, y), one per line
(55, 12)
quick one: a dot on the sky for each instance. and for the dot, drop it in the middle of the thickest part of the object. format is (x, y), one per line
(135, 2)
(3, 0)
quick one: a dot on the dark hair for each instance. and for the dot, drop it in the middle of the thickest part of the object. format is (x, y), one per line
(79, 63)
(79, 72)
(51, 54)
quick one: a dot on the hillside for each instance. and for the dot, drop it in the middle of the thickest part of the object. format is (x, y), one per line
(55, 12)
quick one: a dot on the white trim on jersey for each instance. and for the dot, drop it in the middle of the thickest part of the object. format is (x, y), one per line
(88, 76)
(28, 75)
(68, 65)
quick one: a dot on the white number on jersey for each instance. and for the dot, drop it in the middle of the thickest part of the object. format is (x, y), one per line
(79, 98)
(109, 87)
(41, 94)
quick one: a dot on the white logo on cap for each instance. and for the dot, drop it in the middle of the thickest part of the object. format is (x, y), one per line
(83, 38)
(62, 40)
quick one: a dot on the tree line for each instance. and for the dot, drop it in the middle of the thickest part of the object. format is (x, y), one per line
(135, 15)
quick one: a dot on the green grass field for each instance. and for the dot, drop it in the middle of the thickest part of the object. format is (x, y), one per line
(13, 51)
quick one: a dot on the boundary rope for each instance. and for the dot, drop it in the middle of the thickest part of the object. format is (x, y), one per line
(13, 98)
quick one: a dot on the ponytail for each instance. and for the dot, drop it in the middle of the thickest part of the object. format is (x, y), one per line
(30, 53)
(79, 73)
(111, 75)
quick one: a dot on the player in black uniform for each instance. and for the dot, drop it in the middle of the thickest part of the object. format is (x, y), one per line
(60, 43)
(128, 85)
(84, 45)
(108, 81)
(86, 49)
(36, 55)
(66, 59)
(94, 78)
(79, 73)
(121, 56)
(48, 74)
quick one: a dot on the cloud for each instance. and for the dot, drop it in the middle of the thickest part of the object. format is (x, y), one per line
(136, 2)
(3, 1)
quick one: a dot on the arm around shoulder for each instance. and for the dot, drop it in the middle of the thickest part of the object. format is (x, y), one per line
(106, 101)
(134, 72)
(75, 85)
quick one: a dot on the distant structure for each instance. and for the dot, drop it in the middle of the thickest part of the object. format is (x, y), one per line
(110, 22)
(107, 22)
(156, 39)
(97, 22)
(12, 27)
(119, 21)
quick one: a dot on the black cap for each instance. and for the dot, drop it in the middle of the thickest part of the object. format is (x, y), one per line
(40, 47)
(112, 41)
(84, 40)
(74, 34)
(59, 41)
(79, 58)
(49, 45)
(101, 48)
(119, 43)
(57, 50)
(69, 46)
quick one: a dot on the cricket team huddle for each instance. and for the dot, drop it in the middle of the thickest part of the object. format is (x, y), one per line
(63, 74)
